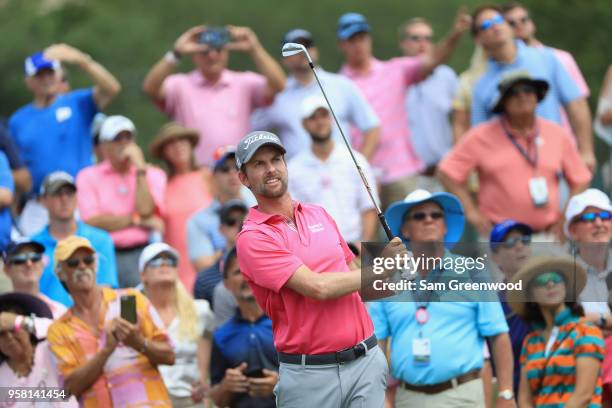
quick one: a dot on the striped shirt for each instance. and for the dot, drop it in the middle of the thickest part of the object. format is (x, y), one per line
(129, 378)
(552, 376)
(384, 87)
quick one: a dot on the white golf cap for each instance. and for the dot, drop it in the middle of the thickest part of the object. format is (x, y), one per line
(311, 104)
(153, 250)
(113, 125)
(578, 203)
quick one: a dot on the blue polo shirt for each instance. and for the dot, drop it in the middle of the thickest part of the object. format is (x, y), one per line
(456, 330)
(237, 341)
(6, 181)
(107, 268)
(56, 137)
(541, 63)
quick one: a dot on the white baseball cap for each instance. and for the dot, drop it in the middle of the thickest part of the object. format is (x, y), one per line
(588, 198)
(153, 250)
(113, 125)
(311, 104)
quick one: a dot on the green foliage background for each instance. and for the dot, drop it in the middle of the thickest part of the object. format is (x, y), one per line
(128, 36)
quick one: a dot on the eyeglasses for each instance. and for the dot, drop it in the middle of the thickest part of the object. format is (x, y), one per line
(511, 242)
(418, 38)
(519, 21)
(420, 216)
(590, 217)
(21, 259)
(159, 262)
(521, 88)
(493, 21)
(547, 277)
(226, 168)
(74, 262)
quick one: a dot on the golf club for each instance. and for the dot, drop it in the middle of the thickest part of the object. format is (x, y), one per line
(290, 49)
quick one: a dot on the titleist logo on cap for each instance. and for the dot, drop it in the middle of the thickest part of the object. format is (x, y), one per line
(260, 136)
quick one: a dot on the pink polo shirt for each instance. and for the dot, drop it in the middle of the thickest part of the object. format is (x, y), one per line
(220, 111)
(270, 250)
(384, 86)
(102, 190)
(504, 173)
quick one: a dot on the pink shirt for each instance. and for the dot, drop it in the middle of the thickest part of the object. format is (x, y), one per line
(270, 250)
(101, 190)
(185, 195)
(384, 86)
(220, 111)
(504, 173)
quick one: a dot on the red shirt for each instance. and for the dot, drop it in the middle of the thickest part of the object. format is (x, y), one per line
(270, 250)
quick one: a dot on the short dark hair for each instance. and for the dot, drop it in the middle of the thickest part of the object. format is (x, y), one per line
(229, 259)
(506, 7)
(478, 11)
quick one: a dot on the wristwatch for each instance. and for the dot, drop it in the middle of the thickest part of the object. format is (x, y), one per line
(506, 395)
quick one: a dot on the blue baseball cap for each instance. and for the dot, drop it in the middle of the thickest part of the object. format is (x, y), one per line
(37, 62)
(350, 24)
(450, 204)
(501, 230)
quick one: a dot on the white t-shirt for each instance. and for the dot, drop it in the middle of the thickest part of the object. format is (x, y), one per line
(180, 376)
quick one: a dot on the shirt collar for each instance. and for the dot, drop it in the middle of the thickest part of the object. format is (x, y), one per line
(561, 319)
(351, 73)
(202, 81)
(520, 51)
(239, 319)
(107, 167)
(259, 217)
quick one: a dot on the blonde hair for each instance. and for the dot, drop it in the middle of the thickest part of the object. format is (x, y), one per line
(187, 314)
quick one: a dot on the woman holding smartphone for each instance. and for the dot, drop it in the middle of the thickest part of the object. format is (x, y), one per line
(562, 355)
(189, 324)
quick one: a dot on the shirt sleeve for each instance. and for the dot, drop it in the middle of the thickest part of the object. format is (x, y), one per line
(205, 315)
(6, 177)
(198, 242)
(411, 69)
(360, 112)
(171, 90)
(523, 356)
(462, 159)
(265, 260)
(156, 180)
(59, 344)
(380, 319)
(590, 342)
(218, 364)
(258, 89)
(569, 63)
(8, 146)
(491, 320)
(566, 86)
(86, 103)
(87, 196)
(478, 112)
(575, 171)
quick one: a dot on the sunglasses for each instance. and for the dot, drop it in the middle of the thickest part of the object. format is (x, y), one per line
(590, 217)
(226, 168)
(519, 21)
(418, 38)
(511, 242)
(159, 262)
(420, 216)
(21, 259)
(74, 262)
(547, 277)
(485, 25)
(231, 222)
(521, 88)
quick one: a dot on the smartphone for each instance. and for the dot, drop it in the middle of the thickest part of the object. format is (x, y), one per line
(128, 308)
(258, 373)
(215, 37)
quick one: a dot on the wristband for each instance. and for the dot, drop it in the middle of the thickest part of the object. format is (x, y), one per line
(18, 322)
(172, 57)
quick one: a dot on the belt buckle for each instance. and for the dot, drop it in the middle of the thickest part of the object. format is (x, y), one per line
(359, 350)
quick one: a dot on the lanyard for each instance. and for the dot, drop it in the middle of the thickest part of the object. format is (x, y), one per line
(421, 314)
(533, 161)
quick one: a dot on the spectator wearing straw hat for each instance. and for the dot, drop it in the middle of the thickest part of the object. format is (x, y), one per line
(123, 195)
(188, 189)
(561, 357)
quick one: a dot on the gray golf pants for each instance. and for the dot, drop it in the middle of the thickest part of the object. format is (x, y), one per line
(358, 384)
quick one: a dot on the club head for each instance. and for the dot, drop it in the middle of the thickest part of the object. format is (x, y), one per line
(290, 49)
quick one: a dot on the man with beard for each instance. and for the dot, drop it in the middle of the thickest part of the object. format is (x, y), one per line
(302, 274)
(104, 359)
(244, 364)
(325, 175)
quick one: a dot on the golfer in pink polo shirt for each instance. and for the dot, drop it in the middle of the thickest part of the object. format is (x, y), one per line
(297, 264)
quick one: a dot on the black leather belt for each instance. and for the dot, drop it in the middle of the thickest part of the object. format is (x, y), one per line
(446, 385)
(343, 356)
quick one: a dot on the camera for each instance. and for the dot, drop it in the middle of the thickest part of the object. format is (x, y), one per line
(215, 37)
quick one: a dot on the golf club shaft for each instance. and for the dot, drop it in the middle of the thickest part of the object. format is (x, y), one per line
(381, 216)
